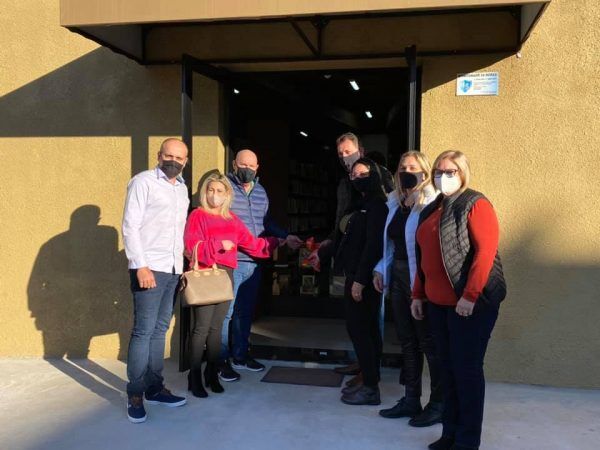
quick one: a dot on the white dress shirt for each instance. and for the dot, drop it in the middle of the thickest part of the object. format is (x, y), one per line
(154, 221)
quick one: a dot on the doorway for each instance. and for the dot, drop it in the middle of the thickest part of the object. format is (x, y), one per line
(291, 120)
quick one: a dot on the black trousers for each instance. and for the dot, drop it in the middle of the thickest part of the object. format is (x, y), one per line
(415, 337)
(461, 343)
(208, 324)
(362, 323)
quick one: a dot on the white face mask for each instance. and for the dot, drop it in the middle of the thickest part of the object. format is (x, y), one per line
(446, 184)
(216, 200)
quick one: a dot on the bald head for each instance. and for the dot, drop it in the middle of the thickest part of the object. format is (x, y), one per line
(245, 166)
(173, 145)
(172, 157)
(246, 158)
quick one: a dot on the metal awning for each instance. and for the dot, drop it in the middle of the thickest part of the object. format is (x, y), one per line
(238, 31)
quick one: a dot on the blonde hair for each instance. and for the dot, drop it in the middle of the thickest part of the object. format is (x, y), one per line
(461, 161)
(217, 178)
(425, 165)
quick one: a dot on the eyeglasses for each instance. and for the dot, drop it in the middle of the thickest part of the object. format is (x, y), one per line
(449, 172)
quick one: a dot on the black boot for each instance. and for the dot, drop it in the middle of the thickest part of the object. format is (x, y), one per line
(443, 443)
(406, 407)
(211, 378)
(366, 395)
(432, 414)
(195, 384)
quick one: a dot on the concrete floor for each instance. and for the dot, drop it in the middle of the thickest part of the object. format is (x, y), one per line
(80, 405)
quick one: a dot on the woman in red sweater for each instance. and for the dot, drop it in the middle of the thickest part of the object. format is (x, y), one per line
(460, 275)
(219, 233)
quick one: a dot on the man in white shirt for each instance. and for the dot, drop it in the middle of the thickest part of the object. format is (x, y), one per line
(153, 224)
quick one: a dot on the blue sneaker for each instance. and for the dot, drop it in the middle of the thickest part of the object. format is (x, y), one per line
(164, 397)
(135, 409)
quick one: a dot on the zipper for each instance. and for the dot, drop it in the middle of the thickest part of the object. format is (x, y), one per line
(441, 250)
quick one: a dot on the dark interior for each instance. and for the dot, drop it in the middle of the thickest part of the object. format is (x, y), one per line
(291, 120)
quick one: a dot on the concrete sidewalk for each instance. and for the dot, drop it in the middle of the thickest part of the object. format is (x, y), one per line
(81, 405)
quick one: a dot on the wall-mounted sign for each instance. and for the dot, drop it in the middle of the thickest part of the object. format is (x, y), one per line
(477, 83)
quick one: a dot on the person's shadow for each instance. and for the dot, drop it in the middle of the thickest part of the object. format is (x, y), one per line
(78, 289)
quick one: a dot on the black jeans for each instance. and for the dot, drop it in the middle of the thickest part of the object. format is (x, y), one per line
(461, 343)
(414, 336)
(362, 323)
(208, 323)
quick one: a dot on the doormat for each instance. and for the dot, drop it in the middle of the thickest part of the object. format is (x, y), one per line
(303, 376)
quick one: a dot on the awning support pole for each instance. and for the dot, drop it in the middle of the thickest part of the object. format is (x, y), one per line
(411, 59)
(187, 79)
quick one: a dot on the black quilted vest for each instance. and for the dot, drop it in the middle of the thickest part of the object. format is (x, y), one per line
(457, 252)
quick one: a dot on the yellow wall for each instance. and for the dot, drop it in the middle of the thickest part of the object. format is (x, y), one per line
(535, 153)
(77, 120)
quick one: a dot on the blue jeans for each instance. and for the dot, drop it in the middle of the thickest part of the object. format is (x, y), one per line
(238, 321)
(461, 343)
(152, 310)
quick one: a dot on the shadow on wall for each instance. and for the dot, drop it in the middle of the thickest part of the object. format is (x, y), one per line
(547, 332)
(78, 290)
(99, 94)
(79, 287)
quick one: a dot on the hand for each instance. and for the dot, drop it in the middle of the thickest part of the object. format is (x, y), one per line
(416, 309)
(326, 243)
(464, 307)
(281, 242)
(227, 245)
(378, 282)
(145, 278)
(356, 291)
(294, 242)
(314, 261)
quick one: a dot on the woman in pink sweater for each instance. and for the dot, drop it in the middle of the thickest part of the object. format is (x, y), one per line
(219, 234)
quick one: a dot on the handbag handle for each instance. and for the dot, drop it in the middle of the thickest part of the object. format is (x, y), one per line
(195, 266)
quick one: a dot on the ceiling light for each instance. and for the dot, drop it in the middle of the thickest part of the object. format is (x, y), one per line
(235, 91)
(327, 76)
(303, 133)
(354, 85)
(368, 114)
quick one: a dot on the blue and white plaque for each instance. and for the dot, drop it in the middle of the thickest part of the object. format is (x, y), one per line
(477, 83)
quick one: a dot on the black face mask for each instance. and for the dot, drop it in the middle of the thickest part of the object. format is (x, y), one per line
(171, 168)
(245, 174)
(348, 161)
(408, 180)
(362, 185)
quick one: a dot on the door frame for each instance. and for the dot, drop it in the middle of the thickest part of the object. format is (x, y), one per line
(191, 65)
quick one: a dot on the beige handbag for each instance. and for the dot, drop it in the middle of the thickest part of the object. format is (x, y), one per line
(205, 286)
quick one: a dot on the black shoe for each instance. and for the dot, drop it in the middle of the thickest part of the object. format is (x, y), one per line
(226, 372)
(351, 389)
(432, 414)
(211, 378)
(364, 396)
(195, 384)
(460, 447)
(135, 409)
(352, 369)
(406, 407)
(443, 443)
(250, 364)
